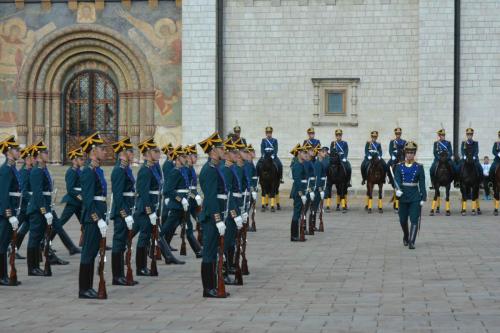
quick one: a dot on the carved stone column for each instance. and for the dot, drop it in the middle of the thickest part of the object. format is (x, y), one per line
(39, 128)
(56, 129)
(22, 120)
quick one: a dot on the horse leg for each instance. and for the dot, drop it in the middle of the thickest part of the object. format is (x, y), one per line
(476, 195)
(338, 198)
(447, 204)
(380, 187)
(463, 189)
(473, 199)
(370, 191)
(344, 198)
(496, 195)
(272, 195)
(438, 201)
(433, 205)
(277, 196)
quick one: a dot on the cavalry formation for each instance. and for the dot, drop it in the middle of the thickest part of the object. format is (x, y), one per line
(220, 200)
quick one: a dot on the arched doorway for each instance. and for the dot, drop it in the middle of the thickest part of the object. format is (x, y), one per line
(90, 104)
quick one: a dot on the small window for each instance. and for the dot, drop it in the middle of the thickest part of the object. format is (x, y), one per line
(335, 103)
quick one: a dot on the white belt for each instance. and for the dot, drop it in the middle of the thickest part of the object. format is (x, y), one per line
(15, 194)
(44, 193)
(77, 189)
(255, 177)
(304, 181)
(409, 184)
(154, 192)
(99, 198)
(237, 195)
(323, 178)
(246, 192)
(128, 194)
(222, 196)
(312, 178)
(182, 191)
(192, 187)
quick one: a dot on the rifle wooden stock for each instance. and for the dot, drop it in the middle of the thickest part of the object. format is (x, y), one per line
(302, 225)
(253, 228)
(182, 251)
(47, 270)
(130, 276)
(244, 263)
(101, 292)
(154, 268)
(221, 288)
(12, 260)
(321, 225)
(238, 274)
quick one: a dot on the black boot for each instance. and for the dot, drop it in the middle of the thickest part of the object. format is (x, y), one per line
(54, 259)
(207, 280)
(413, 236)
(117, 269)
(168, 238)
(193, 242)
(405, 233)
(4, 280)
(66, 240)
(84, 282)
(34, 262)
(166, 252)
(141, 262)
(293, 235)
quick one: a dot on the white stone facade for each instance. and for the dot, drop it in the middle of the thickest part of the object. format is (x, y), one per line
(402, 52)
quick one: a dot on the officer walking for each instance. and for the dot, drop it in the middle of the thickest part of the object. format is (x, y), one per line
(194, 199)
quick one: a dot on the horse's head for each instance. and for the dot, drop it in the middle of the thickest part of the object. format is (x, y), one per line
(400, 155)
(443, 156)
(469, 153)
(268, 154)
(334, 158)
(375, 157)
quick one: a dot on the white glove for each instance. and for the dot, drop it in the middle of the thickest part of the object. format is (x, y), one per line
(421, 203)
(221, 227)
(14, 222)
(304, 199)
(322, 195)
(239, 222)
(498, 154)
(344, 160)
(152, 218)
(473, 157)
(272, 157)
(49, 217)
(254, 194)
(399, 193)
(167, 200)
(130, 221)
(393, 157)
(369, 157)
(185, 204)
(244, 216)
(197, 198)
(311, 196)
(103, 227)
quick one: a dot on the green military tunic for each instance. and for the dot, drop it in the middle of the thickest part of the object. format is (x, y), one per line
(73, 196)
(299, 176)
(177, 189)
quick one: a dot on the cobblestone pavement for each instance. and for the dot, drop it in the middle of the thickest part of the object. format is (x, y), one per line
(355, 277)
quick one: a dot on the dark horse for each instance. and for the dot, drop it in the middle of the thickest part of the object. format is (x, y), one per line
(496, 187)
(443, 177)
(469, 182)
(337, 175)
(400, 157)
(376, 176)
(269, 181)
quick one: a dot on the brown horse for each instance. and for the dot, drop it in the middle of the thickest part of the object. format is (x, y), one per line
(376, 174)
(443, 177)
(496, 188)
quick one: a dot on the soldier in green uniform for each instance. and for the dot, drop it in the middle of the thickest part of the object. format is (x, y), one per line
(215, 192)
(167, 166)
(73, 196)
(320, 178)
(234, 221)
(10, 194)
(194, 199)
(149, 182)
(94, 192)
(123, 185)
(177, 192)
(24, 225)
(410, 183)
(298, 192)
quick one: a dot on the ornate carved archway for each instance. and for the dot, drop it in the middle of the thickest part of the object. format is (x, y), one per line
(81, 47)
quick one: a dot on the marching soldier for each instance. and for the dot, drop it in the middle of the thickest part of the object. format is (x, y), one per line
(26, 155)
(94, 192)
(341, 147)
(168, 165)
(149, 182)
(372, 147)
(234, 221)
(194, 199)
(176, 192)
(411, 191)
(215, 194)
(475, 152)
(320, 178)
(311, 140)
(10, 194)
(396, 146)
(298, 192)
(123, 185)
(252, 170)
(269, 145)
(73, 199)
(440, 146)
